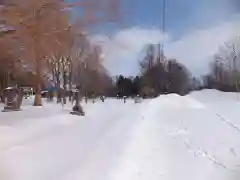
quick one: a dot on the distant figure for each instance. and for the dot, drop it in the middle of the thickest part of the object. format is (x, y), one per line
(93, 98)
(72, 100)
(70, 95)
(102, 98)
(62, 102)
(124, 99)
(119, 96)
(50, 95)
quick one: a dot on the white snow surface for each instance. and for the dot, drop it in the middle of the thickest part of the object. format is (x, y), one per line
(172, 137)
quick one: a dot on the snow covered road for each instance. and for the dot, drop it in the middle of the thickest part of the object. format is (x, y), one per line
(169, 138)
(63, 146)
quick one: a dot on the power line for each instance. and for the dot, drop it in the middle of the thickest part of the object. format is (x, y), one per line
(161, 46)
(163, 26)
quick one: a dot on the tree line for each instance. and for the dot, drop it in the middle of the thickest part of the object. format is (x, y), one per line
(224, 72)
(158, 75)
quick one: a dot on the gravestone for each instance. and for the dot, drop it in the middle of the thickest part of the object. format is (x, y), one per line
(12, 97)
(77, 108)
(102, 98)
(27, 92)
(124, 99)
(137, 99)
(93, 98)
(50, 94)
(70, 98)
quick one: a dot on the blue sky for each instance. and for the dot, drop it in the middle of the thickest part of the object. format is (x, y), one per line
(182, 16)
(184, 19)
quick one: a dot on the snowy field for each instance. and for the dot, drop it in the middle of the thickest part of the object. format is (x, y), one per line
(193, 137)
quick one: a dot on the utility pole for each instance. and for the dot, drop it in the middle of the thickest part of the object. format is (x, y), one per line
(163, 26)
(160, 46)
(163, 29)
(161, 51)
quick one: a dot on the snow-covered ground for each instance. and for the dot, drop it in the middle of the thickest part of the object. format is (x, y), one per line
(193, 137)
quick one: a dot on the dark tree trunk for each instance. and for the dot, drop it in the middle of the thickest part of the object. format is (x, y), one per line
(64, 86)
(70, 82)
(38, 98)
(58, 87)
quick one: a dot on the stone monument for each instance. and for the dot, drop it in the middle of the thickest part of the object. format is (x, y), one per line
(77, 108)
(12, 97)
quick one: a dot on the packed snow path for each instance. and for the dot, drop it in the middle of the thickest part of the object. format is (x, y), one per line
(168, 138)
(52, 144)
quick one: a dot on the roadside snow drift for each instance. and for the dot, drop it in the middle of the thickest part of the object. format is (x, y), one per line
(172, 137)
(183, 138)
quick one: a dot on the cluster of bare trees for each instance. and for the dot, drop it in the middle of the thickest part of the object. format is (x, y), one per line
(225, 69)
(44, 39)
(161, 75)
(158, 75)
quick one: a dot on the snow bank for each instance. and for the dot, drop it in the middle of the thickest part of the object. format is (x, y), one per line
(174, 101)
(180, 138)
(215, 96)
(225, 105)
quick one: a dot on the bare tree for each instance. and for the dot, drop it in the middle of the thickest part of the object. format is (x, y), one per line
(227, 62)
(38, 22)
(9, 63)
(149, 59)
(178, 77)
(33, 21)
(161, 74)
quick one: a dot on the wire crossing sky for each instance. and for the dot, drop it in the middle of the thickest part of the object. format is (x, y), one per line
(193, 32)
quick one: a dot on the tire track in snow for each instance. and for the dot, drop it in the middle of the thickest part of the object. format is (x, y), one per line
(28, 138)
(227, 122)
(200, 151)
(204, 153)
(223, 119)
(47, 126)
(112, 140)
